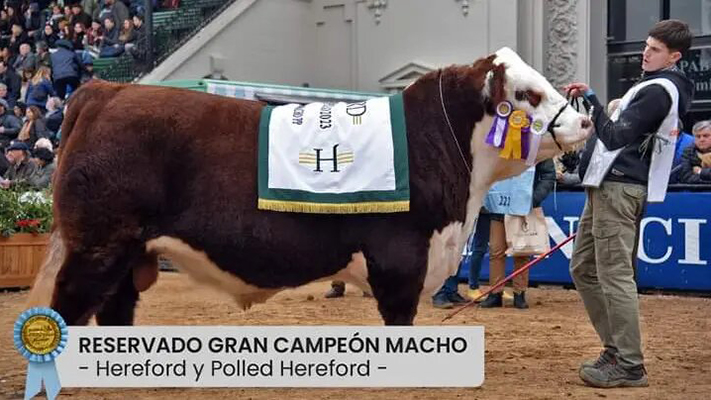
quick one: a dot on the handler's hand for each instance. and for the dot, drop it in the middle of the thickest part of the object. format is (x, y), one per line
(576, 89)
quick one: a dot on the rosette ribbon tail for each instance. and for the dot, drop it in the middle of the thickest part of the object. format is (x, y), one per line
(512, 146)
(38, 372)
(536, 131)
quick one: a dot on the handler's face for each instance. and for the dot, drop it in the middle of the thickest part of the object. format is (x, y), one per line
(658, 56)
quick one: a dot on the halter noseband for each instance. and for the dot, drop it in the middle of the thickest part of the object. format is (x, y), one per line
(569, 101)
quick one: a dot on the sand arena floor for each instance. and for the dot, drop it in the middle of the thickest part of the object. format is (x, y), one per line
(531, 354)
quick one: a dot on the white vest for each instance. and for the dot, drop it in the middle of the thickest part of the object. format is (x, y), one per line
(662, 152)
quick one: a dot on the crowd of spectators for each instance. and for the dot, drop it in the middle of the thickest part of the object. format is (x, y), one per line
(47, 50)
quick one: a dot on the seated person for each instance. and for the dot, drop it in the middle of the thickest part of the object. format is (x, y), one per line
(54, 117)
(10, 125)
(42, 178)
(696, 159)
(21, 169)
(110, 44)
(682, 142)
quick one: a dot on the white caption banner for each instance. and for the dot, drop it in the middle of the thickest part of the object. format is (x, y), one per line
(273, 356)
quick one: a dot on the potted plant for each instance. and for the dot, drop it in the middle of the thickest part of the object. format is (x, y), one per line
(25, 221)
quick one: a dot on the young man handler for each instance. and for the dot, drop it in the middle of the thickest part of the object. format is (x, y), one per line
(626, 163)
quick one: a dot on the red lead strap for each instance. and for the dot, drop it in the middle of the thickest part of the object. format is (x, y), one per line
(513, 275)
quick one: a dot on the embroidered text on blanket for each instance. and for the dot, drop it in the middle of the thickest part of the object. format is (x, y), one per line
(334, 158)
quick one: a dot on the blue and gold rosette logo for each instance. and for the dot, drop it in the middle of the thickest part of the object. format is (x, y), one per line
(40, 335)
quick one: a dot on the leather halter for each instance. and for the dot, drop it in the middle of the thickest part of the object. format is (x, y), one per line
(569, 101)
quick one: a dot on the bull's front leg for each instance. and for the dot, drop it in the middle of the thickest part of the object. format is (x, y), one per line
(397, 266)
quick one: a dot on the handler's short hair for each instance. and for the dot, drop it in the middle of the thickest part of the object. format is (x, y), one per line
(675, 34)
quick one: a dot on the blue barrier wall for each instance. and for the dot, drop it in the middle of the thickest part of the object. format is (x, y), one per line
(674, 251)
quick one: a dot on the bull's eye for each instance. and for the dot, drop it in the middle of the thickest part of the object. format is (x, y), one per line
(531, 96)
(521, 95)
(534, 97)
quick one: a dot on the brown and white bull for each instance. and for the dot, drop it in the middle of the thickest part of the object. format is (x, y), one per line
(148, 171)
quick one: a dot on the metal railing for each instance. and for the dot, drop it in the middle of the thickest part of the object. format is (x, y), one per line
(170, 30)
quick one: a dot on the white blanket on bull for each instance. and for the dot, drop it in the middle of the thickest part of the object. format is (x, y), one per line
(334, 158)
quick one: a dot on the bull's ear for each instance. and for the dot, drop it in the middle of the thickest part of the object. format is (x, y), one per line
(496, 83)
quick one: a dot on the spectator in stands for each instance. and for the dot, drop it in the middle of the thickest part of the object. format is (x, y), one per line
(88, 71)
(19, 111)
(696, 160)
(3, 92)
(683, 141)
(57, 15)
(67, 12)
(47, 35)
(78, 36)
(117, 10)
(11, 80)
(43, 143)
(64, 30)
(127, 37)
(40, 88)
(4, 165)
(94, 35)
(138, 50)
(14, 17)
(20, 168)
(542, 186)
(4, 30)
(33, 19)
(26, 59)
(54, 117)
(9, 57)
(43, 58)
(110, 45)
(10, 125)
(17, 37)
(91, 8)
(33, 127)
(42, 177)
(79, 16)
(66, 69)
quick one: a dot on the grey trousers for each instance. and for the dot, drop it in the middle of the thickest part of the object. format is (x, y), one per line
(603, 266)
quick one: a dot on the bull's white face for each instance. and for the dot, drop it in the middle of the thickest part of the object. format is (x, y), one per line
(529, 91)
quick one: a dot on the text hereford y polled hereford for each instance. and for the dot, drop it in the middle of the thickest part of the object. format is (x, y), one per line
(311, 345)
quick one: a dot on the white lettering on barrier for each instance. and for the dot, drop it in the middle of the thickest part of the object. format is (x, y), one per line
(274, 356)
(641, 252)
(692, 238)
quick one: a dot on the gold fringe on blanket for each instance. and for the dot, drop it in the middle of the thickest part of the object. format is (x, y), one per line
(326, 208)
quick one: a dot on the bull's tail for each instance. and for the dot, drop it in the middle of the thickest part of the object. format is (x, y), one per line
(43, 287)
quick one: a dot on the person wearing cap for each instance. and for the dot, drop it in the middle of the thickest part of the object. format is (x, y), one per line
(21, 169)
(10, 125)
(42, 177)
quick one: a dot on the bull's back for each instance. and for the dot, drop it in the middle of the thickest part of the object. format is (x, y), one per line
(144, 157)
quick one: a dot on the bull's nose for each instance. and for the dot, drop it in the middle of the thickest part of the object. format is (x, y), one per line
(586, 123)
